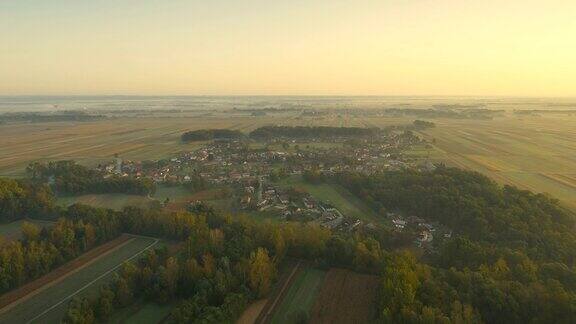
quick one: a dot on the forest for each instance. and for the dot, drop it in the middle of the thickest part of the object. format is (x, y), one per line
(268, 132)
(20, 199)
(422, 124)
(210, 134)
(39, 117)
(68, 177)
(510, 260)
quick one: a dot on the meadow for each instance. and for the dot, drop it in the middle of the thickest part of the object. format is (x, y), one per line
(335, 195)
(49, 305)
(177, 195)
(115, 201)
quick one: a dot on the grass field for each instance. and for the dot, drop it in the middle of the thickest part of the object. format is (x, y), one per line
(49, 305)
(300, 296)
(347, 203)
(115, 201)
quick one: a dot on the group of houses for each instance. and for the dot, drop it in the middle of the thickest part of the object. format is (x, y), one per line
(425, 231)
(288, 204)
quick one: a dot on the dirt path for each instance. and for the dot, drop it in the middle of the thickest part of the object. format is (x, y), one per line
(15, 297)
(266, 314)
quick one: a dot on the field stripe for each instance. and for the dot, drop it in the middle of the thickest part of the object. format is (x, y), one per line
(93, 281)
(15, 297)
(269, 309)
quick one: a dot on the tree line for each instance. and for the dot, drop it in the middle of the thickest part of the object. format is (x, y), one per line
(422, 124)
(210, 134)
(21, 199)
(68, 177)
(269, 132)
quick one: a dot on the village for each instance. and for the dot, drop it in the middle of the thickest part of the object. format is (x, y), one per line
(251, 170)
(238, 161)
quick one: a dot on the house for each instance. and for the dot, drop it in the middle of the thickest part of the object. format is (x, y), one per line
(399, 223)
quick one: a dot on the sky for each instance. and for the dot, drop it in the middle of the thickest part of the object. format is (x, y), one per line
(296, 47)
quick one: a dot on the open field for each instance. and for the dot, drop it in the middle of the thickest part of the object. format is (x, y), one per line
(115, 201)
(12, 231)
(532, 152)
(347, 203)
(49, 305)
(177, 195)
(94, 142)
(300, 297)
(346, 297)
(535, 152)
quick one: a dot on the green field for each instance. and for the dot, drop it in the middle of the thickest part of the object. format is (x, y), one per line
(334, 194)
(300, 297)
(49, 306)
(174, 193)
(115, 201)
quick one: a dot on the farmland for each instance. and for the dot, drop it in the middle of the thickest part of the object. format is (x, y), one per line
(300, 296)
(535, 153)
(94, 142)
(317, 296)
(49, 305)
(346, 297)
(531, 151)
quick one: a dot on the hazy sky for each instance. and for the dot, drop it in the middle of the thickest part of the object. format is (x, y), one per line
(241, 47)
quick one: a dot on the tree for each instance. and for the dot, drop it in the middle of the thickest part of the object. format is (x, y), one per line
(261, 272)
(124, 295)
(30, 232)
(105, 305)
